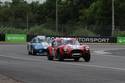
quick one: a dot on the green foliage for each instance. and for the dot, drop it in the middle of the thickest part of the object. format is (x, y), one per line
(83, 32)
(120, 33)
(33, 30)
(120, 13)
(73, 16)
(11, 30)
(41, 30)
(99, 14)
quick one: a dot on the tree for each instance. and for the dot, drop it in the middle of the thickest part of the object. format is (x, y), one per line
(120, 14)
(73, 15)
(98, 14)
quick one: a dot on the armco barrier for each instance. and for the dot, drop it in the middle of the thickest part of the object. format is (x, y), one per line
(15, 38)
(121, 40)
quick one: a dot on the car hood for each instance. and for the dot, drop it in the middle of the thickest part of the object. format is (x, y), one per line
(41, 45)
(69, 46)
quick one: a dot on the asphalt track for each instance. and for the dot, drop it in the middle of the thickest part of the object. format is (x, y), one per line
(107, 65)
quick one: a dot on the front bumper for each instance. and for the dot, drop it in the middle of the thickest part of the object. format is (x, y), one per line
(41, 51)
(74, 54)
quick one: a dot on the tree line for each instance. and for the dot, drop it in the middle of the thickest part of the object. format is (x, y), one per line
(75, 17)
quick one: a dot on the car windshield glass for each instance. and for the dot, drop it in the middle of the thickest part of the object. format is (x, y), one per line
(45, 44)
(72, 42)
(41, 40)
(59, 43)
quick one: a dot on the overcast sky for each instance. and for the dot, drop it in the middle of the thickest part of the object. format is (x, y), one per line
(41, 1)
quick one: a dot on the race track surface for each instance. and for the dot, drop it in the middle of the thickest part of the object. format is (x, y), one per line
(107, 65)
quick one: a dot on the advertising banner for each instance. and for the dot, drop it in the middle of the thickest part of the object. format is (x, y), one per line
(97, 39)
(83, 39)
(121, 40)
(15, 38)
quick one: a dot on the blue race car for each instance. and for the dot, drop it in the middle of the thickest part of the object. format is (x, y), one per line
(38, 45)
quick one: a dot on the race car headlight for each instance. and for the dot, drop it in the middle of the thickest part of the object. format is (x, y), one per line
(65, 49)
(36, 47)
(45, 47)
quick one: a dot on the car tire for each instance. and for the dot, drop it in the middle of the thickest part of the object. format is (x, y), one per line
(49, 57)
(33, 53)
(29, 53)
(76, 59)
(87, 57)
(59, 56)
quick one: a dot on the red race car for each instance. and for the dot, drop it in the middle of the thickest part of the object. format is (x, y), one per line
(68, 48)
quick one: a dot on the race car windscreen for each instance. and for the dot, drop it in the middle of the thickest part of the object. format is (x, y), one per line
(41, 40)
(72, 42)
(59, 43)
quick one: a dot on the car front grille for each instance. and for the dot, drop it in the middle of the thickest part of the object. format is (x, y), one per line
(76, 51)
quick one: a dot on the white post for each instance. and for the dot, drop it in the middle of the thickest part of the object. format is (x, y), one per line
(27, 22)
(113, 20)
(56, 15)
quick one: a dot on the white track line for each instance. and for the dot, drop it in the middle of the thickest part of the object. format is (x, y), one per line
(76, 64)
(18, 58)
(102, 52)
(96, 66)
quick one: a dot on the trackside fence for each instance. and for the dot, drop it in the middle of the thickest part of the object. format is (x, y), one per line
(22, 38)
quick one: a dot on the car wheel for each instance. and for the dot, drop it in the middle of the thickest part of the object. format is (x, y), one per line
(87, 57)
(59, 56)
(76, 59)
(29, 53)
(49, 57)
(33, 53)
